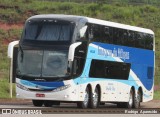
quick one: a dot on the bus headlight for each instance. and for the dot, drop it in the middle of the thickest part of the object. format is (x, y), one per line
(21, 87)
(61, 88)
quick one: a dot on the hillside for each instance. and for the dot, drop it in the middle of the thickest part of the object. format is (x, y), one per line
(13, 14)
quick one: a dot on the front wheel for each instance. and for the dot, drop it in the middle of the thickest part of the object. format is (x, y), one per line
(85, 102)
(121, 104)
(48, 103)
(38, 103)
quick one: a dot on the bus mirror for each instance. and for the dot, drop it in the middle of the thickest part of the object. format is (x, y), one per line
(72, 50)
(82, 31)
(12, 54)
(11, 48)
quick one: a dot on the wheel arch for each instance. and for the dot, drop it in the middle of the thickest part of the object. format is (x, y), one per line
(134, 91)
(89, 86)
(133, 88)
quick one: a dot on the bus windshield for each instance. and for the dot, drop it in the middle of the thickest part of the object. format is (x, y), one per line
(42, 63)
(48, 30)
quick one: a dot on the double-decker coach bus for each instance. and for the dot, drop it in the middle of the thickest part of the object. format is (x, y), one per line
(66, 58)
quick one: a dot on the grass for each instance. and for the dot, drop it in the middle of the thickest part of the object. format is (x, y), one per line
(157, 95)
(4, 88)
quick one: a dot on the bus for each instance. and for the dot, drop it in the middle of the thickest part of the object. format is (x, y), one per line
(88, 61)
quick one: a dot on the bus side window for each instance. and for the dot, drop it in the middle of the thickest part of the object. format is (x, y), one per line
(78, 65)
(149, 41)
(90, 32)
(109, 69)
(131, 39)
(106, 35)
(140, 40)
(121, 37)
(97, 69)
(96, 33)
(125, 37)
(115, 35)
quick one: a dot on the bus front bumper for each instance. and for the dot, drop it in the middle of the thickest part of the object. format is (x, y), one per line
(69, 94)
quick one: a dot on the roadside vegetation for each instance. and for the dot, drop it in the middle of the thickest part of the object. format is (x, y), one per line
(143, 13)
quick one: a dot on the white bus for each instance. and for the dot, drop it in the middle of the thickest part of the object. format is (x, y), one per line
(66, 58)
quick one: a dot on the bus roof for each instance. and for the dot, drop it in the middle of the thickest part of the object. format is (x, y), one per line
(94, 21)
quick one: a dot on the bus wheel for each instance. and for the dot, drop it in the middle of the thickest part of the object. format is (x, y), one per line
(48, 103)
(137, 100)
(37, 103)
(56, 103)
(85, 102)
(129, 104)
(94, 99)
(102, 103)
(121, 105)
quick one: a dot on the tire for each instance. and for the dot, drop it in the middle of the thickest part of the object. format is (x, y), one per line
(137, 100)
(55, 103)
(84, 104)
(129, 104)
(48, 103)
(38, 103)
(121, 104)
(94, 101)
(102, 103)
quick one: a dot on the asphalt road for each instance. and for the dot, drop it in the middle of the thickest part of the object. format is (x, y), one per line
(25, 106)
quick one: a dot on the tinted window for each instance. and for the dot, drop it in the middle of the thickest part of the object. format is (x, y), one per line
(117, 36)
(101, 33)
(149, 41)
(109, 69)
(47, 30)
(79, 59)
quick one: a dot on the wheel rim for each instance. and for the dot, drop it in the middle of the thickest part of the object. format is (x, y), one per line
(95, 98)
(131, 99)
(138, 97)
(86, 97)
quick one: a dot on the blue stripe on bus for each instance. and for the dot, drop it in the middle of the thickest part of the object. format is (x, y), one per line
(42, 85)
(141, 61)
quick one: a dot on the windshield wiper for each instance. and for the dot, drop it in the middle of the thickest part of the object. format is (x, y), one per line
(58, 77)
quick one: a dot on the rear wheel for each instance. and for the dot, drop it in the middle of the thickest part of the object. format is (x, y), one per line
(85, 102)
(137, 100)
(94, 102)
(102, 103)
(38, 103)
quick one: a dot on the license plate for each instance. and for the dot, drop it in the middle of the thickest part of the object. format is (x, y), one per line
(40, 95)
